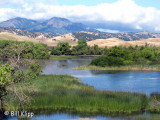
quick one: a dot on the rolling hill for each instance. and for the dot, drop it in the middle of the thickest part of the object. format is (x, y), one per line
(127, 36)
(118, 42)
(38, 38)
(11, 36)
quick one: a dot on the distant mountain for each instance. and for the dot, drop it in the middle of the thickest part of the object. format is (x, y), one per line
(127, 36)
(53, 25)
(19, 23)
(59, 25)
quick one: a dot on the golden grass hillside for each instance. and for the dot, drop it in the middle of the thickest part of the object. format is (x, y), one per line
(40, 39)
(11, 36)
(118, 42)
(63, 38)
(73, 41)
(106, 42)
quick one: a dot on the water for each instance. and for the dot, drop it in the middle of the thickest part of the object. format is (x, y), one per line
(62, 116)
(141, 82)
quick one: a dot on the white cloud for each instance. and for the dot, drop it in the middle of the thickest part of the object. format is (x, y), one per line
(123, 13)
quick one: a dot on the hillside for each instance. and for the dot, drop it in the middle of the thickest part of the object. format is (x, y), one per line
(39, 38)
(60, 26)
(63, 38)
(106, 42)
(11, 36)
(52, 39)
(27, 33)
(54, 25)
(83, 35)
(117, 42)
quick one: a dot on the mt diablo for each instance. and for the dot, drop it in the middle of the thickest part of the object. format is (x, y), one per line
(57, 30)
(53, 25)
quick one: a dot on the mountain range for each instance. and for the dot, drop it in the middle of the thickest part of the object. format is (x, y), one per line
(65, 30)
(54, 25)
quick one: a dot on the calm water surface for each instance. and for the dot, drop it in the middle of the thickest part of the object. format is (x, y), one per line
(141, 82)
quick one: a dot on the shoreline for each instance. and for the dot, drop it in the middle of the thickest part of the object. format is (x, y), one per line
(70, 56)
(120, 68)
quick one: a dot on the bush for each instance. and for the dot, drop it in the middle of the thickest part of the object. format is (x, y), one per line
(103, 61)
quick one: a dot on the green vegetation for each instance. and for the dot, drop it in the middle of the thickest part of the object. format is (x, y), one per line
(42, 51)
(63, 48)
(142, 57)
(8, 49)
(65, 93)
(122, 68)
(13, 80)
(63, 57)
(154, 103)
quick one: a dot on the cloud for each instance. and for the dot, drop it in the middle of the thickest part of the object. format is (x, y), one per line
(123, 15)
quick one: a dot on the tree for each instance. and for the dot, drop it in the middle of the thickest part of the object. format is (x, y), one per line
(6, 72)
(40, 51)
(64, 48)
(13, 79)
(81, 48)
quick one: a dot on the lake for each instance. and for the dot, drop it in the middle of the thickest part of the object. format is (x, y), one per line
(141, 82)
(147, 82)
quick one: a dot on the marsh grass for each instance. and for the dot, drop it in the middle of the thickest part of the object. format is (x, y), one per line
(151, 117)
(65, 93)
(56, 57)
(154, 103)
(121, 68)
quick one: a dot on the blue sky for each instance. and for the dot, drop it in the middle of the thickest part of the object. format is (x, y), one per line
(144, 3)
(116, 15)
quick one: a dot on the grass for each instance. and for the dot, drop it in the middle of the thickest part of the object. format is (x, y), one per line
(121, 68)
(64, 93)
(154, 103)
(56, 57)
(63, 57)
(10, 36)
(151, 117)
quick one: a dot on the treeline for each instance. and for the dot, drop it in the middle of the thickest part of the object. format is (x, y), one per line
(119, 56)
(115, 56)
(10, 49)
(63, 48)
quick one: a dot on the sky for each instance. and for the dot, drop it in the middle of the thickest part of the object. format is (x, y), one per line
(107, 15)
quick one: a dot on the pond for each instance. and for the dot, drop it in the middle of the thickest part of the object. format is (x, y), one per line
(141, 82)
